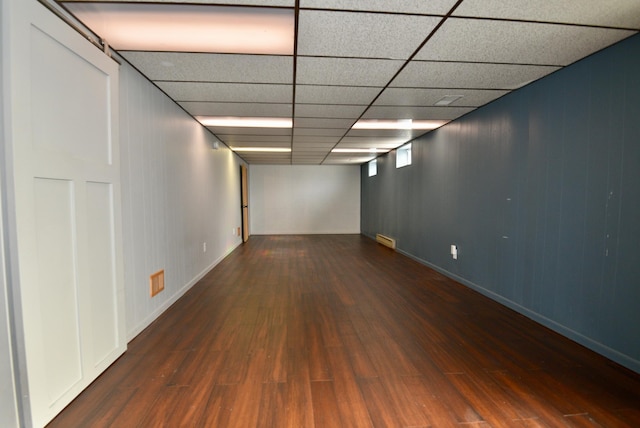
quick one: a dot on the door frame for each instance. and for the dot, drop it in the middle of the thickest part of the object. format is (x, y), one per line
(244, 201)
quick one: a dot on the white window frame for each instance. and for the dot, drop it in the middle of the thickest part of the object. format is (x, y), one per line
(373, 167)
(403, 156)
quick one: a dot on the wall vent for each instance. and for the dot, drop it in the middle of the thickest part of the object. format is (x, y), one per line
(386, 241)
(156, 282)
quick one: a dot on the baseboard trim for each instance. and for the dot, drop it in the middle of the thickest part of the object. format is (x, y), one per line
(146, 322)
(610, 353)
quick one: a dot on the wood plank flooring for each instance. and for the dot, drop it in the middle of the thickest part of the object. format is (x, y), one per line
(338, 331)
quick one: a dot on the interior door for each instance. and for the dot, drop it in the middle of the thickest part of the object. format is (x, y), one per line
(63, 99)
(245, 202)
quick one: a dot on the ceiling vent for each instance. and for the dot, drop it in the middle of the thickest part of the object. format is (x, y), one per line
(448, 100)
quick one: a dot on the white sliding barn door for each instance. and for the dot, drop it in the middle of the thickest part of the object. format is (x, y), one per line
(64, 153)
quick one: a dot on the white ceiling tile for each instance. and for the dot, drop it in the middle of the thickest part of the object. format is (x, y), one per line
(233, 92)
(418, 113)
(303, 139)
(477, 40)
(208, 67)
(346, 71)
(323, 132)
(330, 111)
(319, 94)
(286, 161)
(610, 13)
(320, 123)
(309, 160)
(303, 154)
(310, 154)
(431, 7)
(306, 161)
(428, 97)
(367, 143)
(362, 35)
(237, 109)
(315, 157)
(464, 57)
(424, 74)
(312, 149)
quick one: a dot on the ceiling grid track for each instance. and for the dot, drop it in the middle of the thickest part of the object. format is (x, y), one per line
(400, 70)
(340, 82)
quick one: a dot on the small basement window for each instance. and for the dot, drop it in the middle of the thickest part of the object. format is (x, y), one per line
(403, 156)
(373, 167)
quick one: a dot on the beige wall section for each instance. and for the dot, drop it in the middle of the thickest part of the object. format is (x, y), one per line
(304, 199)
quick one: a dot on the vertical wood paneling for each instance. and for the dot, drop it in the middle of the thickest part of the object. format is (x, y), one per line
(178, 193)
(540, 192)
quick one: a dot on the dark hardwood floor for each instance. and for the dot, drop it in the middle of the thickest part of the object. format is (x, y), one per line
(337, 331)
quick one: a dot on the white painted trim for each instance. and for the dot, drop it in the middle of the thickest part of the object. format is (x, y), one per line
(146, 322)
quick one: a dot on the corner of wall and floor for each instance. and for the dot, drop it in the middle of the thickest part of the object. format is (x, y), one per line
(540, 192)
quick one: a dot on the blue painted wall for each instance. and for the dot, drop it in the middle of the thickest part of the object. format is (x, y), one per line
(540, 190)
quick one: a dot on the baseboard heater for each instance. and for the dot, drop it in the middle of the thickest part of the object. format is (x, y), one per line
(386, 241)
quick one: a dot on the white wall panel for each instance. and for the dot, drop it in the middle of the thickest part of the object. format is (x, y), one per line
(8, 399)
(178, 193)
(62, 140)
(299, 199)
(101, 273)
(56, 297)
(90, 102)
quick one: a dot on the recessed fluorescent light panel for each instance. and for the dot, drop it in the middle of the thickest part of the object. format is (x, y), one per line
(246, 122)
(262, 149)
(398, 124)
(189, 27)
(448, 100)
(359, 150)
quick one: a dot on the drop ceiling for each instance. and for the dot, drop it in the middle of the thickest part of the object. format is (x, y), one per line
(342, 61)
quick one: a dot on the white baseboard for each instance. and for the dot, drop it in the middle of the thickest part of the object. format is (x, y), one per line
(146, 322)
